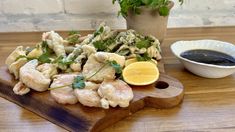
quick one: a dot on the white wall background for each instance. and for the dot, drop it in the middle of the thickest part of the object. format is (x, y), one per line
(34, 15)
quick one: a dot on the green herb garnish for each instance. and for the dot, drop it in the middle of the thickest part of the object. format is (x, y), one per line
(103, 45)
(143, 44)
(63, 62)
(100, 45)
(143, 57)
(79, 82)
(116, 66)
(44, 58)
(99, 31)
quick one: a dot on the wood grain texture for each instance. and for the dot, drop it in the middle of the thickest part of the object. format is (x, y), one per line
(208, 103)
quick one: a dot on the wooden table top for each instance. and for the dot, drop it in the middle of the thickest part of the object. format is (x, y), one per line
(209, 104)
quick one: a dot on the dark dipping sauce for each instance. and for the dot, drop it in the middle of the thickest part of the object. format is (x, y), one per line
(209, 57)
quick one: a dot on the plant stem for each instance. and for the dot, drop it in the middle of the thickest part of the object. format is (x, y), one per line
(97, 71)
(85, 79)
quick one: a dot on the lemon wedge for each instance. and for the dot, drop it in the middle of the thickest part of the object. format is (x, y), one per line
(140, 73)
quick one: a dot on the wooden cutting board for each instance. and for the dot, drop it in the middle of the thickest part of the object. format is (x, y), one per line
(167, 92)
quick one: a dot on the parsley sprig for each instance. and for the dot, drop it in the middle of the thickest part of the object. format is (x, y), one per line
(145, 43)
(103, 45)
(62, 60)
(99, 31)
(143, 57)
(79, 81)
(44, 58)
(116, 66)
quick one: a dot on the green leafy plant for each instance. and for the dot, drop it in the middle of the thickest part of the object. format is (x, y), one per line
(134, 5)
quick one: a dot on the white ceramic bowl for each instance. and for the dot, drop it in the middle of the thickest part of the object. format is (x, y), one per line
(202, 69)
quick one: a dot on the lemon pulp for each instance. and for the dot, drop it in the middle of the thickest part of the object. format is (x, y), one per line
(141, 73)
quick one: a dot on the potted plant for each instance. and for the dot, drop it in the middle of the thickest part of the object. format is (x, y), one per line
(148, 17)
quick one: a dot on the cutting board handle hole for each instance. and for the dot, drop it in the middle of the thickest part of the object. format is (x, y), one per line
(161, 85)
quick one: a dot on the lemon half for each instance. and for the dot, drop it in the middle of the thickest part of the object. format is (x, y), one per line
(140, 73)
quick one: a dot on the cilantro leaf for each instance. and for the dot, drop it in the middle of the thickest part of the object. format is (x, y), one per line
(99, 31)
(143, 57)
(116, 66)
(44, 45)
(63, 62)
(44, 58)
(79, 82)
(79, 85)
(99, 45)
(78, 78)
(102, 45)
(143, 44)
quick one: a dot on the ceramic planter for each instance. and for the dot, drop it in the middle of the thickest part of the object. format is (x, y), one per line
(149, 22)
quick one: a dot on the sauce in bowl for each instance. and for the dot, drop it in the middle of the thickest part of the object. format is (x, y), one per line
(209, 57)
